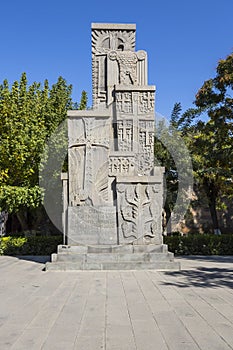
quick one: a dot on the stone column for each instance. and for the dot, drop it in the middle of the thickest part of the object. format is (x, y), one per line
(64, 178)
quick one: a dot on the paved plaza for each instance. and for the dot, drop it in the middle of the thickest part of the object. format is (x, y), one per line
(117, 310)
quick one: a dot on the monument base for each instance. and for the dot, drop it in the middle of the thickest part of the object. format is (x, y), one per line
(113, 257)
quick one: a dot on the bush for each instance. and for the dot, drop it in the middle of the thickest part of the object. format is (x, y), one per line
(37, 245)
(198, 244)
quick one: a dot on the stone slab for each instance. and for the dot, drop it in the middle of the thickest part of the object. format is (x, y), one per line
(112, 265)
(114, 26)
(129, 248)
(115, 257)
(101, 257)
(91, 225)
(103, 113)
(141, 179)
(135, 88)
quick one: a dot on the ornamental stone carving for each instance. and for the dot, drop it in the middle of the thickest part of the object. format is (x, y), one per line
(111, 149)
(124, 103)
(138, 211)
(113, 193)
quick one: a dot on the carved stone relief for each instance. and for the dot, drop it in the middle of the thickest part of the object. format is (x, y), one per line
(104, 41)
(88, 163)
(111, 150)
(145, 156)
(131, 67)
(125, 135)
(146, 102)
(108, 39)
(119, 165)
(124, 102)
(127, 62)
(146, 137)
(138, 213)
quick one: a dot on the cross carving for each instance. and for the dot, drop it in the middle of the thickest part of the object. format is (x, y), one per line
(146, 100)
(89, 142)
(125, 135)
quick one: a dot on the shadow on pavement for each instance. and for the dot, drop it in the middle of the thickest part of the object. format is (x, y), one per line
(215, 277)
(42, 259)
(212, 258)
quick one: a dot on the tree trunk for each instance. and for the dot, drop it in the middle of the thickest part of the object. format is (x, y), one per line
(167, 221)
(214, 217)
(212, 192)
(3, 220)
(23, 219)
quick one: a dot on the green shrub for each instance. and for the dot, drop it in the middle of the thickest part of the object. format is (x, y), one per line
(32, 245)
(198, 244)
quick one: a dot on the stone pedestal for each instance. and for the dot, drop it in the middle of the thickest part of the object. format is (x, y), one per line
(117, 257)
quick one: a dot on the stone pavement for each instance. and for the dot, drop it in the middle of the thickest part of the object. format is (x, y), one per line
(117, 310)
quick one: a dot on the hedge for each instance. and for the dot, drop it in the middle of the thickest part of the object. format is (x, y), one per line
(200, 244)
(196, 244)
(38, 245)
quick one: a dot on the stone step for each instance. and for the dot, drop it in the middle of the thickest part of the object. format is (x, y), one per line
(130, 248)
(113, 257)
(83, 265)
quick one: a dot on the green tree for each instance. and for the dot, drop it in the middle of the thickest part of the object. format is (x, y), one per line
(171, 152)
(28, 116)
(208, 130)
(175, 115)
(164, 158)
(83, 102)
(55, 161)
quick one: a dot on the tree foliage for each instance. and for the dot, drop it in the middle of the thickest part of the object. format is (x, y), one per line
(208, 130)
(172, 153)
(28, 116)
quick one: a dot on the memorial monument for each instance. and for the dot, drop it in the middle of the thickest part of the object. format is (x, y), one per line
(113, 193)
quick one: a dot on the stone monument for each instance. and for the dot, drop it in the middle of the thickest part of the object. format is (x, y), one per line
(113, 193)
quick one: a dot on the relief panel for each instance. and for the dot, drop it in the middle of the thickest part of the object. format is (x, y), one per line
(138, 210)
(125, 135)
(88, 163)
(146, 102)
(119, 165)
(145, 156)
(124, 102)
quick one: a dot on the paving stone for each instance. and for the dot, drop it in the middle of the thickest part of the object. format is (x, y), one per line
(128, 310)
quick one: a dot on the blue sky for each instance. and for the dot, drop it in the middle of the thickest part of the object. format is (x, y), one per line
(184, 41)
